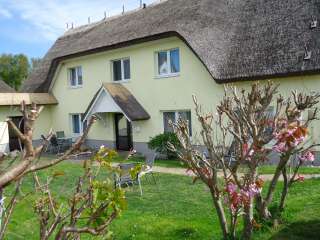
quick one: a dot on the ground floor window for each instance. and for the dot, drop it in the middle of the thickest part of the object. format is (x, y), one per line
(76, 124)
(174, 116)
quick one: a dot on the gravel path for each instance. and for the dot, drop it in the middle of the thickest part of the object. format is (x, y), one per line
(182, 171)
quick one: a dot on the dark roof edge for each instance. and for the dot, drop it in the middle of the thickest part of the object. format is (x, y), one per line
(267, 76)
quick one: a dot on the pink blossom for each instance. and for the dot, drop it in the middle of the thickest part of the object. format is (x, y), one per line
(300, 178)
(251, 191)
(231, 188)
(280, 147)
(307, 156)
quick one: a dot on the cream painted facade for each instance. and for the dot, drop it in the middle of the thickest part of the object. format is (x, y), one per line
(44, 122)
(153, 93)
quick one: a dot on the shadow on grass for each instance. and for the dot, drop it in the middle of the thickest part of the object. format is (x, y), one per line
(301, 230)
(186, 233)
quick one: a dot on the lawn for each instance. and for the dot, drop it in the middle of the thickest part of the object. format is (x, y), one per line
(176, 209)
(174, 163)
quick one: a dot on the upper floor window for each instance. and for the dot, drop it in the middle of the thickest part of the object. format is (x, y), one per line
(168, 62)
(121, 69)
(75, 77)
(173, 117)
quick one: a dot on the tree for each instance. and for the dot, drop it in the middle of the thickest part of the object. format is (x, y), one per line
(239, 135)
(14, 69)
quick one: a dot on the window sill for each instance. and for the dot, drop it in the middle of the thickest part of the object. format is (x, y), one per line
(167, 76)
(122, 81)
(75, 87)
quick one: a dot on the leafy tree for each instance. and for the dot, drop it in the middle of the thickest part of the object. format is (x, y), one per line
(14, 69)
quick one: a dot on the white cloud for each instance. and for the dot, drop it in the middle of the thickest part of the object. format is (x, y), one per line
(48, 18)
(5, 13)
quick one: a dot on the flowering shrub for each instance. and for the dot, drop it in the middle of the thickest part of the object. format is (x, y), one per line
(307, 156)
(290, 137)
(237, 198)
(244, 117)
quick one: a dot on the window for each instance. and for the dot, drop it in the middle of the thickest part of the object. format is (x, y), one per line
(173, 117)
(121, 69)
(75, 77)
(76, 124)
(168, 62)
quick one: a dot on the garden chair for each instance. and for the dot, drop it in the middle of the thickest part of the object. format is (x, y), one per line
(54, 146)
(60, 135)
(148, 170)
(64, 142)
(124, 178)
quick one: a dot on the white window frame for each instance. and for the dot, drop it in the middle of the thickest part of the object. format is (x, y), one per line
(80, 124)
(176, 117)
(77, 77)
(122, 70)
(169, 74)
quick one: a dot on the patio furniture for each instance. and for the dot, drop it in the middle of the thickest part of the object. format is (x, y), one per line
(63, 142)
(148, 170)
(54, 146)
(60, 135)
(124, 178)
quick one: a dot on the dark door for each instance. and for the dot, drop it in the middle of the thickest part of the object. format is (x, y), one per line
(13, 138)
(123, 133)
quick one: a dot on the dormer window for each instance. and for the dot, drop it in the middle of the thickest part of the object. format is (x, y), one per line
(168, 62)
(121, 70)
(75, 77)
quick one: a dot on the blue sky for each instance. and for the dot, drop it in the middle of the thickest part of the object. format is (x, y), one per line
(31, 26)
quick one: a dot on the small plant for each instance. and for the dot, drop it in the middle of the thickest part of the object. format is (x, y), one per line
(160, 142)
(90, 209)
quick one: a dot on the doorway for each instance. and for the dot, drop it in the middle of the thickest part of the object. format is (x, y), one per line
(14, 143)
(123, 133)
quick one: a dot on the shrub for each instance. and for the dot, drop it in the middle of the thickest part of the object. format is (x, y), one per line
(160, 142)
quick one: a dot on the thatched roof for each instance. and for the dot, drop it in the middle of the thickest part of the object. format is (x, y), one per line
(15, 99)
(123, 98)
(5, 88)
(235, 40)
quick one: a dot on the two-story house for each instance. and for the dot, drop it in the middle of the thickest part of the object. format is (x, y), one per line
(138, 70)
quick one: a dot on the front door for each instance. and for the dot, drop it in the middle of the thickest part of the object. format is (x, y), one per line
(123, 133)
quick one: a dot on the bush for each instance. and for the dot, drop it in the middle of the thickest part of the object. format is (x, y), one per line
(159, 143)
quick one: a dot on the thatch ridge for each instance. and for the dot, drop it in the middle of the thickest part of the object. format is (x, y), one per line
(235, 40)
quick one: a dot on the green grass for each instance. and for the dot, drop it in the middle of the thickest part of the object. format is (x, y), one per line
(176, 209)
(174, 163)
(267, 169)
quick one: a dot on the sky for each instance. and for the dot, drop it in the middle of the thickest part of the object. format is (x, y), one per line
(31, 26)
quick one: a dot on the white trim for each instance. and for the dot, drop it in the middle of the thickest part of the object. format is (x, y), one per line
(94, 102)
(123, 80)
(176, 117)
(80, 125)
(77, 85)
(172, 75)
(89, 113)
(169, 73)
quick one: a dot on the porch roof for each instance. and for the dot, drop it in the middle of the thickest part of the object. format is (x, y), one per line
(114, 97)
(12, 99)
